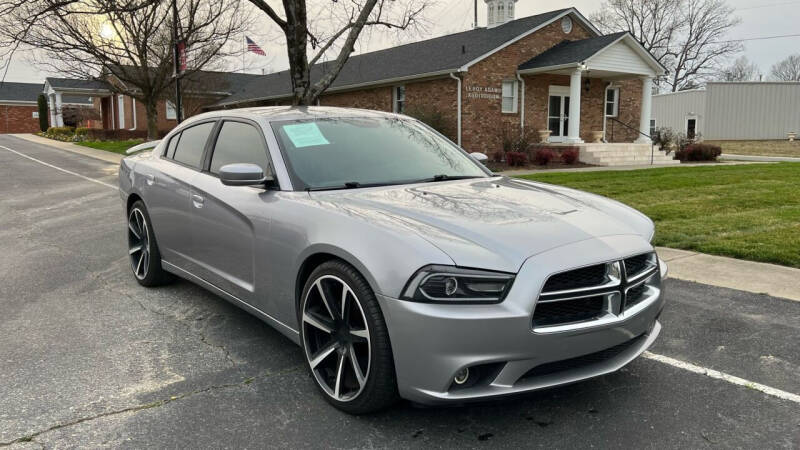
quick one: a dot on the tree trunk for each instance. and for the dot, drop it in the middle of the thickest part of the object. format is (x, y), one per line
(152, 118)
(297, 42)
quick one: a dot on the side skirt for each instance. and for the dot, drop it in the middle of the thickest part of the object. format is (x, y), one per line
(286, 330)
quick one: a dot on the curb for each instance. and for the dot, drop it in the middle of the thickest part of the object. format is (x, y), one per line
(105, 156)
(749, 276)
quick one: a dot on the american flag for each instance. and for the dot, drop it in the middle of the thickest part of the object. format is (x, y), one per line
(252, 47)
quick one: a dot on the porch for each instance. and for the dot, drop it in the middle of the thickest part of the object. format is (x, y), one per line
(58, 89)
(594, 88)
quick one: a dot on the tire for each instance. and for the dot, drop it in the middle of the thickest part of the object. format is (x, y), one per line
(347, 350)
(146, 261)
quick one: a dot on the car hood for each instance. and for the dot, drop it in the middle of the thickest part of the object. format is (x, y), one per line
(495, 223)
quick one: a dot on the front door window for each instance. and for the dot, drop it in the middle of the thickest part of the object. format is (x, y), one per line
(558, 117)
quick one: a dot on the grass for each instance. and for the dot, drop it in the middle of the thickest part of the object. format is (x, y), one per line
(760, 148)
(111, 146)
(747, 211)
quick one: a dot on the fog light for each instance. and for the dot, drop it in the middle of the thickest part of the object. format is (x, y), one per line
(450, 286)
(462, 376)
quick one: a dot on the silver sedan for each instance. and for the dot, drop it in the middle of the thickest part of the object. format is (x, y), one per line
(398, 262)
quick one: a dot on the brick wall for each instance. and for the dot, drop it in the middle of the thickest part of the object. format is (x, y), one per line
(483, 117)
(379, 99)
(630, 110)
(18, 119)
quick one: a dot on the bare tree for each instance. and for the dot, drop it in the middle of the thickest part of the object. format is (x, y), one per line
(340, 29)
(787, 70)
(689, 37)
(131, 40)
(742, 69)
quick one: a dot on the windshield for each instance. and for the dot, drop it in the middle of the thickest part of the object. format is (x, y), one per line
(357, 152)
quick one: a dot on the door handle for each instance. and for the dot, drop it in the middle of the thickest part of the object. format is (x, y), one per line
(150, 179)
(197, 201)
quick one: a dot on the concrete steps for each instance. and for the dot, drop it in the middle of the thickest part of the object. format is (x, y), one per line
(623, 155)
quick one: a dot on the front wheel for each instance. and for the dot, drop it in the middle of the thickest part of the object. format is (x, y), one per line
(345, 340)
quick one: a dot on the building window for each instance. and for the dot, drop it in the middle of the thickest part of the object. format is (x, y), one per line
(653, 127)
(510, 10)
(501, 13)
(399, 99)
(510, 92)
(612, 102)
(172, 113)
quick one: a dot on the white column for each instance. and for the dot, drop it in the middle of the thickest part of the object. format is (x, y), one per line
(51, 104)
(647, 110)
(574, 129)
(59, 116)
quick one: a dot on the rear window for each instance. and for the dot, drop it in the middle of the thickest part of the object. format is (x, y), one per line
(192, 142)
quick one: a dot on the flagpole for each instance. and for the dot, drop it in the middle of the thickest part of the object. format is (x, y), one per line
(244, 39)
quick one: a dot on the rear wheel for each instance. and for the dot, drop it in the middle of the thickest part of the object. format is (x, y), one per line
(345, 340)
(142, 248)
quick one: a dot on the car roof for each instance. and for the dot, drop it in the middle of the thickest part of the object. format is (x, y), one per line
(281, 113)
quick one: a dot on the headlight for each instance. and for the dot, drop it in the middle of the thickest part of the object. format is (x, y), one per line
(445, 284)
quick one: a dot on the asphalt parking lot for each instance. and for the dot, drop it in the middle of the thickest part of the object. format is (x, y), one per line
(88, 358)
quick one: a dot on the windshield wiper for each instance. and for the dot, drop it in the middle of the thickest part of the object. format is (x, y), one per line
(348, 185)
(444, 177)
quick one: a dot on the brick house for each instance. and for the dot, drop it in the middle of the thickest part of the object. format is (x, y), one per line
(122, 112)
(553, 71)
(19, 111)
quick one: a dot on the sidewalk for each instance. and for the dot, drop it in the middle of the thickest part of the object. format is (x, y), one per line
(759, 278)
(516, 173)
(110, 157)
(756, 158)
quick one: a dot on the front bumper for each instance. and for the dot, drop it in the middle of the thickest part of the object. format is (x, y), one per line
(433, 342)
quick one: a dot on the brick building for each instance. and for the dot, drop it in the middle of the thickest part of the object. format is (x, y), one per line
(123, 112)
(19, 112)
(553, 71)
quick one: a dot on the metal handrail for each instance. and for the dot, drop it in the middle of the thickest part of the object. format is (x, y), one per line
(652, 145)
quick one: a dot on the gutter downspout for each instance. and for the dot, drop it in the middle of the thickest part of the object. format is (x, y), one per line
(522, 102)
(133, 108)
(453, 76)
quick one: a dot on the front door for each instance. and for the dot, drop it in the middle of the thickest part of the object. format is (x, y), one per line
(558, 113)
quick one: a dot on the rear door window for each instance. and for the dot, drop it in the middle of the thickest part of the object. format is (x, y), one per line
(239, 143)
(189, 150)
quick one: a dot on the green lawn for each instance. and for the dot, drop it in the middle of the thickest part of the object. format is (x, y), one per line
(111, 146)
(743, 211)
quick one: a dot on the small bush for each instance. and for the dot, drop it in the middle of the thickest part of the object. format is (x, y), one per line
(41, 102)
(61, 131)
(570, 156)
(699, 152)
(517, 159)
(96, 134)
(81, 131)
(543, 156)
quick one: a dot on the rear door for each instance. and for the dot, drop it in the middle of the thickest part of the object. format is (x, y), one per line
(169, 199)
(227, 220)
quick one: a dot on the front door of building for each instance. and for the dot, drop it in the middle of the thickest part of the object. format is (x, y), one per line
(558, 113)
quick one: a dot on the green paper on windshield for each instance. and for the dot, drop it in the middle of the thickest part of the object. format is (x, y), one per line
(305, 135)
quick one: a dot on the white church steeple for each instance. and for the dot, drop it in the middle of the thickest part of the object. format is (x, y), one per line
(499, 12)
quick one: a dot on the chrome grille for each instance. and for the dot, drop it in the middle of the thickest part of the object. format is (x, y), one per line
(600, 291)
(576, 279)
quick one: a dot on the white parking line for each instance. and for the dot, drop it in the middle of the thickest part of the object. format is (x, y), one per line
(723, 376)
(656, 357)
(59, 168)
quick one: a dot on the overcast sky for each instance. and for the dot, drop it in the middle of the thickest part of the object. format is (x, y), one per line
(760, 18)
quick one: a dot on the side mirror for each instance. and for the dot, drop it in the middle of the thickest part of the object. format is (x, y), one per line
(480, 157)
(243, 175)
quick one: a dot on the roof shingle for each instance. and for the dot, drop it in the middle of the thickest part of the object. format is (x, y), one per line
(446, 53)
